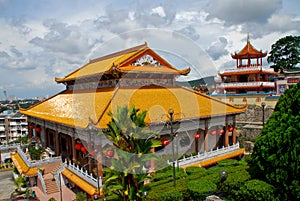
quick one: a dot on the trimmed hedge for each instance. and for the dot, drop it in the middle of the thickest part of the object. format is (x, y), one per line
(197, 183)
(200, 189)
(256, 190)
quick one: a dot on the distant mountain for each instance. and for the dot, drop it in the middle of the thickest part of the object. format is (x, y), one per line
(195, 83)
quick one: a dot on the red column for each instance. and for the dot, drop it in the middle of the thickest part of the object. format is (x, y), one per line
(234, 131)
(74, 158)
(206, 147)
(226, 138)
(56, 143)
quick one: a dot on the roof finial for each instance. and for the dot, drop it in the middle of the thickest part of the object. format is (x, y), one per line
(248, 38)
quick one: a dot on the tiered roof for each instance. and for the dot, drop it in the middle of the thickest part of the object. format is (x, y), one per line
(248, 52)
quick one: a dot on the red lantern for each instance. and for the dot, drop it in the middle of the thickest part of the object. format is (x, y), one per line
(78, 146)
(230, 129)
(221, 131)
(214, 132)
(31, 126)
(38, 129)
(109, 153)
(197, 136)
(83, 149)
(165, 142)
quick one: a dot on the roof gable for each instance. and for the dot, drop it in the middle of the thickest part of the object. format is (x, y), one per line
(137, 56)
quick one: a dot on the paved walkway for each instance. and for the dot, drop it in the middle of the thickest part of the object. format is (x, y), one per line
(6, 185)
(66, 194)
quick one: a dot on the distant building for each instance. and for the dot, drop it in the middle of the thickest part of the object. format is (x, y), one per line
(249, 75)
(13, 125)
(285, 79)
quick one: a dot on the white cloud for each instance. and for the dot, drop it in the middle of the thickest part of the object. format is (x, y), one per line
(159, 11)
(40, 41)
(218, 48)
(242, 11)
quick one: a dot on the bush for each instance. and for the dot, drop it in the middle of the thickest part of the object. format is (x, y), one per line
(228, 162)
(255, 190)
(195, 170)
(167, 192)
(200, 189)
(235, 180)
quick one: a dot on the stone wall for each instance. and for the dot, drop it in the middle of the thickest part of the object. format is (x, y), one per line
(249, 125)
(254, 114)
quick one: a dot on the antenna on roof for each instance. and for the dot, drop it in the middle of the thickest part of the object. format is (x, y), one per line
(248, 38)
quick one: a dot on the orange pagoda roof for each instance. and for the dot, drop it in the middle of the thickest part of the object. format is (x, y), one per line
(125, 61)
(78, 108)
(248, 52)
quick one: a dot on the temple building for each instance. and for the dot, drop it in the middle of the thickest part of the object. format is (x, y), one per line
(249, 74)
(69, 124)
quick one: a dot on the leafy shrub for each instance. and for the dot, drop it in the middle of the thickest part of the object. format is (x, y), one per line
(200, 189)
(195, 170)
(255, 190)
(166, 192)
(233, 183)
(228, 162)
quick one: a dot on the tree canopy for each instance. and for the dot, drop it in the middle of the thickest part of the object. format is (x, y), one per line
(285, 53)
(276, 151)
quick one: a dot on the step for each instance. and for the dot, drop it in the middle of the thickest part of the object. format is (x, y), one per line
(51, 186)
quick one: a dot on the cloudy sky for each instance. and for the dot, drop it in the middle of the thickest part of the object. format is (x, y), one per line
(44, 39)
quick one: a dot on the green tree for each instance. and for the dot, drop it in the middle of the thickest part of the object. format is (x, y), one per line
(285, 53)
(276, 151)
(133, 141)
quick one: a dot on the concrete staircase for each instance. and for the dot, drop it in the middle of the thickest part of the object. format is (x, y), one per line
(50, 182)
(51, 186)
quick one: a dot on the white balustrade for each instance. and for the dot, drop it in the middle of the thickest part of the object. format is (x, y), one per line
(9, 146)
(206, 155)
(41, 178)
(35, 163)
(84, 174)
(237, 84)
(264, 68)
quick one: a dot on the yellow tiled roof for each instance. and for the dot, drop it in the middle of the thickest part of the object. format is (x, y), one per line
(123, 58)
(78, 108)
(22, 167)
(81, 183)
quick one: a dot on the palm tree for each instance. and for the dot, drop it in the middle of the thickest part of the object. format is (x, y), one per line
(133, 142)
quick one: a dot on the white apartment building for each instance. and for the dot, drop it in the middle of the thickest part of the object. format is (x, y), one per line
(13, 125)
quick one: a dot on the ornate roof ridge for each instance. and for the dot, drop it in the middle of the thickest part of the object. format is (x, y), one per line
(119, 53)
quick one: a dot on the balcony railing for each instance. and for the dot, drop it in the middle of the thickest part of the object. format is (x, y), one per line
(9, 146)
(84, 174)
(35, 163)
(206, 155)
(41, 178)
(246, 84)
(264, 68)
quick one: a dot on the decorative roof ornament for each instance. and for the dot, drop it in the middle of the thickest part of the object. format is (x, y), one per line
(146, 60)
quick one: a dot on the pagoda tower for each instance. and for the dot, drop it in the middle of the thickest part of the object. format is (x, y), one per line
(249, 74)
